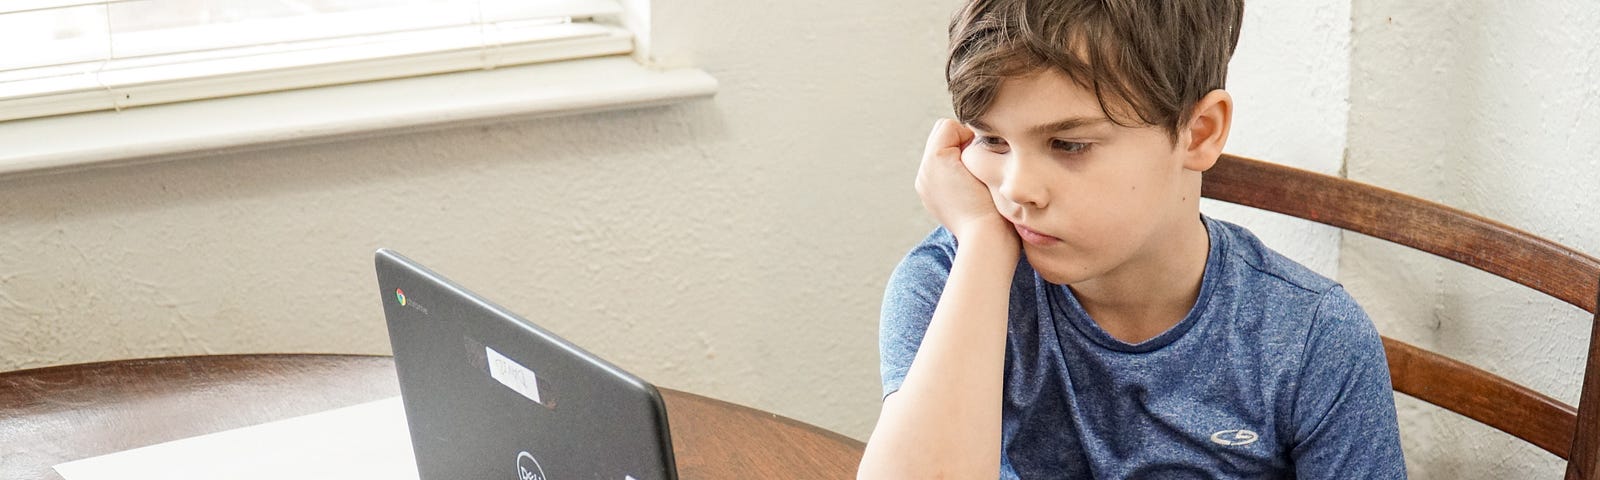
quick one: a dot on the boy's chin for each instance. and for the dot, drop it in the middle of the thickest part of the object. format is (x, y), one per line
(1057, 279)
(1055, 272)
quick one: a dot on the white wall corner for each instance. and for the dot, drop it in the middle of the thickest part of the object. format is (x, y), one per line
(636, 18)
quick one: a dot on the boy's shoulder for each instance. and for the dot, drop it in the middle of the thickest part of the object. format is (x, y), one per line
(1276, 296)
(1262, 266)
(1276, 300)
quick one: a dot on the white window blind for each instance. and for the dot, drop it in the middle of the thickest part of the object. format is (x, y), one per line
(70, 56)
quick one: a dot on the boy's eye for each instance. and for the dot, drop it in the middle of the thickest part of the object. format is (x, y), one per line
(991, 143)
(1068, 147)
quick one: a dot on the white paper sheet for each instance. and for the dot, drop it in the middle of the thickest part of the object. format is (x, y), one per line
(366, 441)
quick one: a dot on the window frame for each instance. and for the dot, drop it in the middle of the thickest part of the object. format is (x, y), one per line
(47, 145)
(146, 71)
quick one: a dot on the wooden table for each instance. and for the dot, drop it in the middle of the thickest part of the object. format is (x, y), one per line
(58, 414)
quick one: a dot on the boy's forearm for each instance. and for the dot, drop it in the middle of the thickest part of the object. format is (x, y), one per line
(945, 419)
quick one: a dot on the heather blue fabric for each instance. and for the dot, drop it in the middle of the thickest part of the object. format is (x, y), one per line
(1270, 347)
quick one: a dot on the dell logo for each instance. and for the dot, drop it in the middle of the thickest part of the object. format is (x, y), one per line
(528, 468)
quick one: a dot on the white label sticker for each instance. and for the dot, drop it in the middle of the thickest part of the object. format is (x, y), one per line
(513, 375)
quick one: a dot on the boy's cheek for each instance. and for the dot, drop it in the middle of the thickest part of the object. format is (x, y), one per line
(984, 167)
(969, 156)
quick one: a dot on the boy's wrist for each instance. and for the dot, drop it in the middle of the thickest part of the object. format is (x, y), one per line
(998, 237)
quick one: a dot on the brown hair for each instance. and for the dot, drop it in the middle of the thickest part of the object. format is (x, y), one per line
(1154, 59)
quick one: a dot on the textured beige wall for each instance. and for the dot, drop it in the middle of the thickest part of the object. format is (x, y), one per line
(735, 247)
(1491, 108)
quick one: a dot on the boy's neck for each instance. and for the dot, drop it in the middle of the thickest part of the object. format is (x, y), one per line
(1145, 298)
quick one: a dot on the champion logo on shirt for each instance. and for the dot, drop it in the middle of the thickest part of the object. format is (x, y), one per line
(1234, 438)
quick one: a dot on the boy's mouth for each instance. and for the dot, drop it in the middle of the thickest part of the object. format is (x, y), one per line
(1033, 237)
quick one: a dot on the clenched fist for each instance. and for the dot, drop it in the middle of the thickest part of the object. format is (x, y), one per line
(949, 191)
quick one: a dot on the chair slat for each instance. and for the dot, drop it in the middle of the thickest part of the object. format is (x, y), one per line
(1585, 461)
(1477, 394)
(1454, 234)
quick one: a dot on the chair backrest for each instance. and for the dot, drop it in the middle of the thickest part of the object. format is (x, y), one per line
(1573, 277)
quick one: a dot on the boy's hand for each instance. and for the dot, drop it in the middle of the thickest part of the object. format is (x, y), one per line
(956, 198)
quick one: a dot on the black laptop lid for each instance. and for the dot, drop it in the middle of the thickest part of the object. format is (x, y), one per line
(490, 395)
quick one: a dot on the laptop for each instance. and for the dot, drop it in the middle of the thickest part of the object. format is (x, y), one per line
(489, 394)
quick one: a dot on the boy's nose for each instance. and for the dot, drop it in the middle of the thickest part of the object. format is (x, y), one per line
(1022, 186)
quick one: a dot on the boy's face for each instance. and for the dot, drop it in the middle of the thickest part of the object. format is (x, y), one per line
(1088, 196)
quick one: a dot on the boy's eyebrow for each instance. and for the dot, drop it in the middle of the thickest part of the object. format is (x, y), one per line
(1052, 127)
(1068, 124)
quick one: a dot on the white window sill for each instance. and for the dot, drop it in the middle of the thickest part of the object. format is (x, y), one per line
(69, 142)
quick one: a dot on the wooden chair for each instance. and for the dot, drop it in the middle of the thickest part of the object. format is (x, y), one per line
(1571, 433)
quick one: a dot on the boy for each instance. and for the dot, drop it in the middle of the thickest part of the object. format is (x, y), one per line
(1075, 316)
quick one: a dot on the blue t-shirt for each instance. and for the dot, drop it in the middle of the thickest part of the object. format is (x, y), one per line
(1274, 373)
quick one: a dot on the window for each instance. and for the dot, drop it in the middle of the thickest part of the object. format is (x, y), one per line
(71, 56)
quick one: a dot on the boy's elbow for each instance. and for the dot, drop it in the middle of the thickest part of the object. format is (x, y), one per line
(876, 465)
(879, 473)
(937, 474)
(871, 468)
(877, 468)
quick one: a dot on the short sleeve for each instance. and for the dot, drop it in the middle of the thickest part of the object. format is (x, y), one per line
(908, 304)
(1344, 414)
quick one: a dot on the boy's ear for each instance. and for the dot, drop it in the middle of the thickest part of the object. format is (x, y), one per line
(1207, 131)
